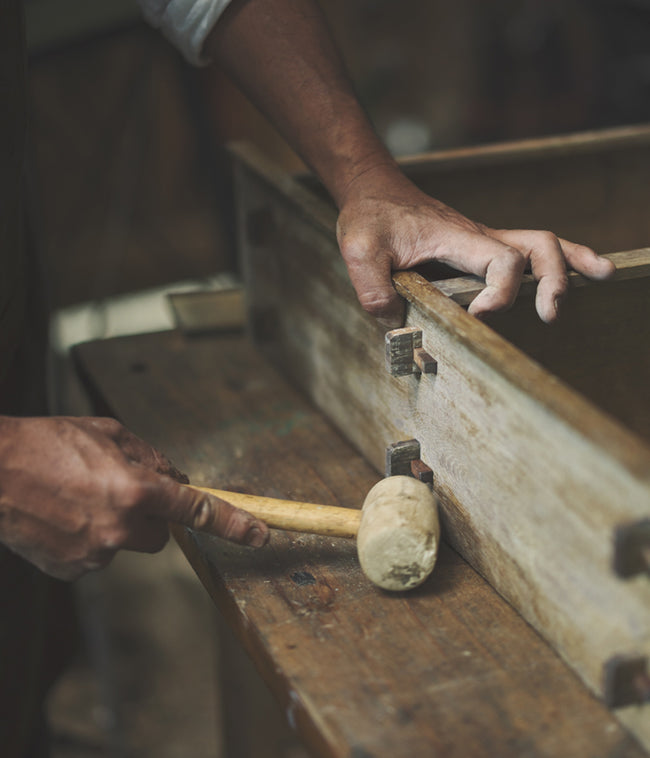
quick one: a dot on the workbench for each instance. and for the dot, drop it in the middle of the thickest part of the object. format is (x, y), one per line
(449, 669)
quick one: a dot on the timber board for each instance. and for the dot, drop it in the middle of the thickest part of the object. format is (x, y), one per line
(450, 669)
(534, 476)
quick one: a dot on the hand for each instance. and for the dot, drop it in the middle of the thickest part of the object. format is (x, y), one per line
(387, 224)
(74, 491)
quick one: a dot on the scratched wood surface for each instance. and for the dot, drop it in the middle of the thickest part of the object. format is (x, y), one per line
(448, 670)
(534, 476)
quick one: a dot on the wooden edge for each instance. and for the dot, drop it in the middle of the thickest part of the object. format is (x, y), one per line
(530, 149)
(630, 264)
(526, 375)
(313, 731)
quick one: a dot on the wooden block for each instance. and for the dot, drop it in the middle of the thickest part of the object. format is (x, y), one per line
(400, 455)
(400, 347)
(421, 471)
(204, 311)
(405, 354)
(425, 362)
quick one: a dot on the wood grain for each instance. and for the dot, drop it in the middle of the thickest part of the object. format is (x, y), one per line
(534, 478)
(447, 670)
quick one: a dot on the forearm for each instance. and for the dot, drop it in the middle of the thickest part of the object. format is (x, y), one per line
(281, 54)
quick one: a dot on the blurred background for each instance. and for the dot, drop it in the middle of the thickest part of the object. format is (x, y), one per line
(129, 196)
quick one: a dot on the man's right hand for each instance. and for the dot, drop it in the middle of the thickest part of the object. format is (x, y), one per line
(74, 491)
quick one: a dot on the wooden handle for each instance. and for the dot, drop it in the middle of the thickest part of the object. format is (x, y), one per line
(294, 516)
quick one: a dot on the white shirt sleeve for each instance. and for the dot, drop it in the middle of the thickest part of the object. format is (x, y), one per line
(186, 23)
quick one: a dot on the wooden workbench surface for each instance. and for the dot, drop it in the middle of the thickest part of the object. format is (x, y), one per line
(447, 670)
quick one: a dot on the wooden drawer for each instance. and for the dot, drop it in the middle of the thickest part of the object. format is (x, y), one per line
(538, 436)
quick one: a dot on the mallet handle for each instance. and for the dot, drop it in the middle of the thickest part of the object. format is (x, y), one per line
(294, 516)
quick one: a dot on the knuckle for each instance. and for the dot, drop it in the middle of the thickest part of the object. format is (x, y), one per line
(547, 238)
(356, 247)
(131, 491)
(512, 259)
(109, 426)
(112, 539)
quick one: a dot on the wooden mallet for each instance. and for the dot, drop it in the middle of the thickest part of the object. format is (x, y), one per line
(397, 529)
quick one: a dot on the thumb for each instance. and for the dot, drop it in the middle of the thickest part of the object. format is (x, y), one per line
(205, 513)
(373, 282)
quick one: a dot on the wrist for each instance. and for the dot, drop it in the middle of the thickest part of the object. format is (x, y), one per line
(377, 180)
(360, 177)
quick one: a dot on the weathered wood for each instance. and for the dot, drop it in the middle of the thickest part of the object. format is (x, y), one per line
(601, 348)
(447, 670)
(534, 478)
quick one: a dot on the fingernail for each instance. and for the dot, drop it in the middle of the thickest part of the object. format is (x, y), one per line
(256, 537)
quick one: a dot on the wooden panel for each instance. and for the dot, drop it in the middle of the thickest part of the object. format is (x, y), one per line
(601, 348)
(600, 345)
(449, 669)
(534, 479)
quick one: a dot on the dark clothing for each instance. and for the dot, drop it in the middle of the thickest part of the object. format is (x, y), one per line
(12, 139)
(32, 605)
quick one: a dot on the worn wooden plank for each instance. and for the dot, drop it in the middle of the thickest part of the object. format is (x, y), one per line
(447, 670)
(534, 478)
(561, 147)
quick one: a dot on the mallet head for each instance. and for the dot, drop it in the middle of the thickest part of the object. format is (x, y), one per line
(399, 533)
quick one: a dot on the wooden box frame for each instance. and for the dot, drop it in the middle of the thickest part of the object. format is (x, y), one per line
(537, 436)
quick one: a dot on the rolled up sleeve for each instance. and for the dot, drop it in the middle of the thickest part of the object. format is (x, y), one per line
(186, 23)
